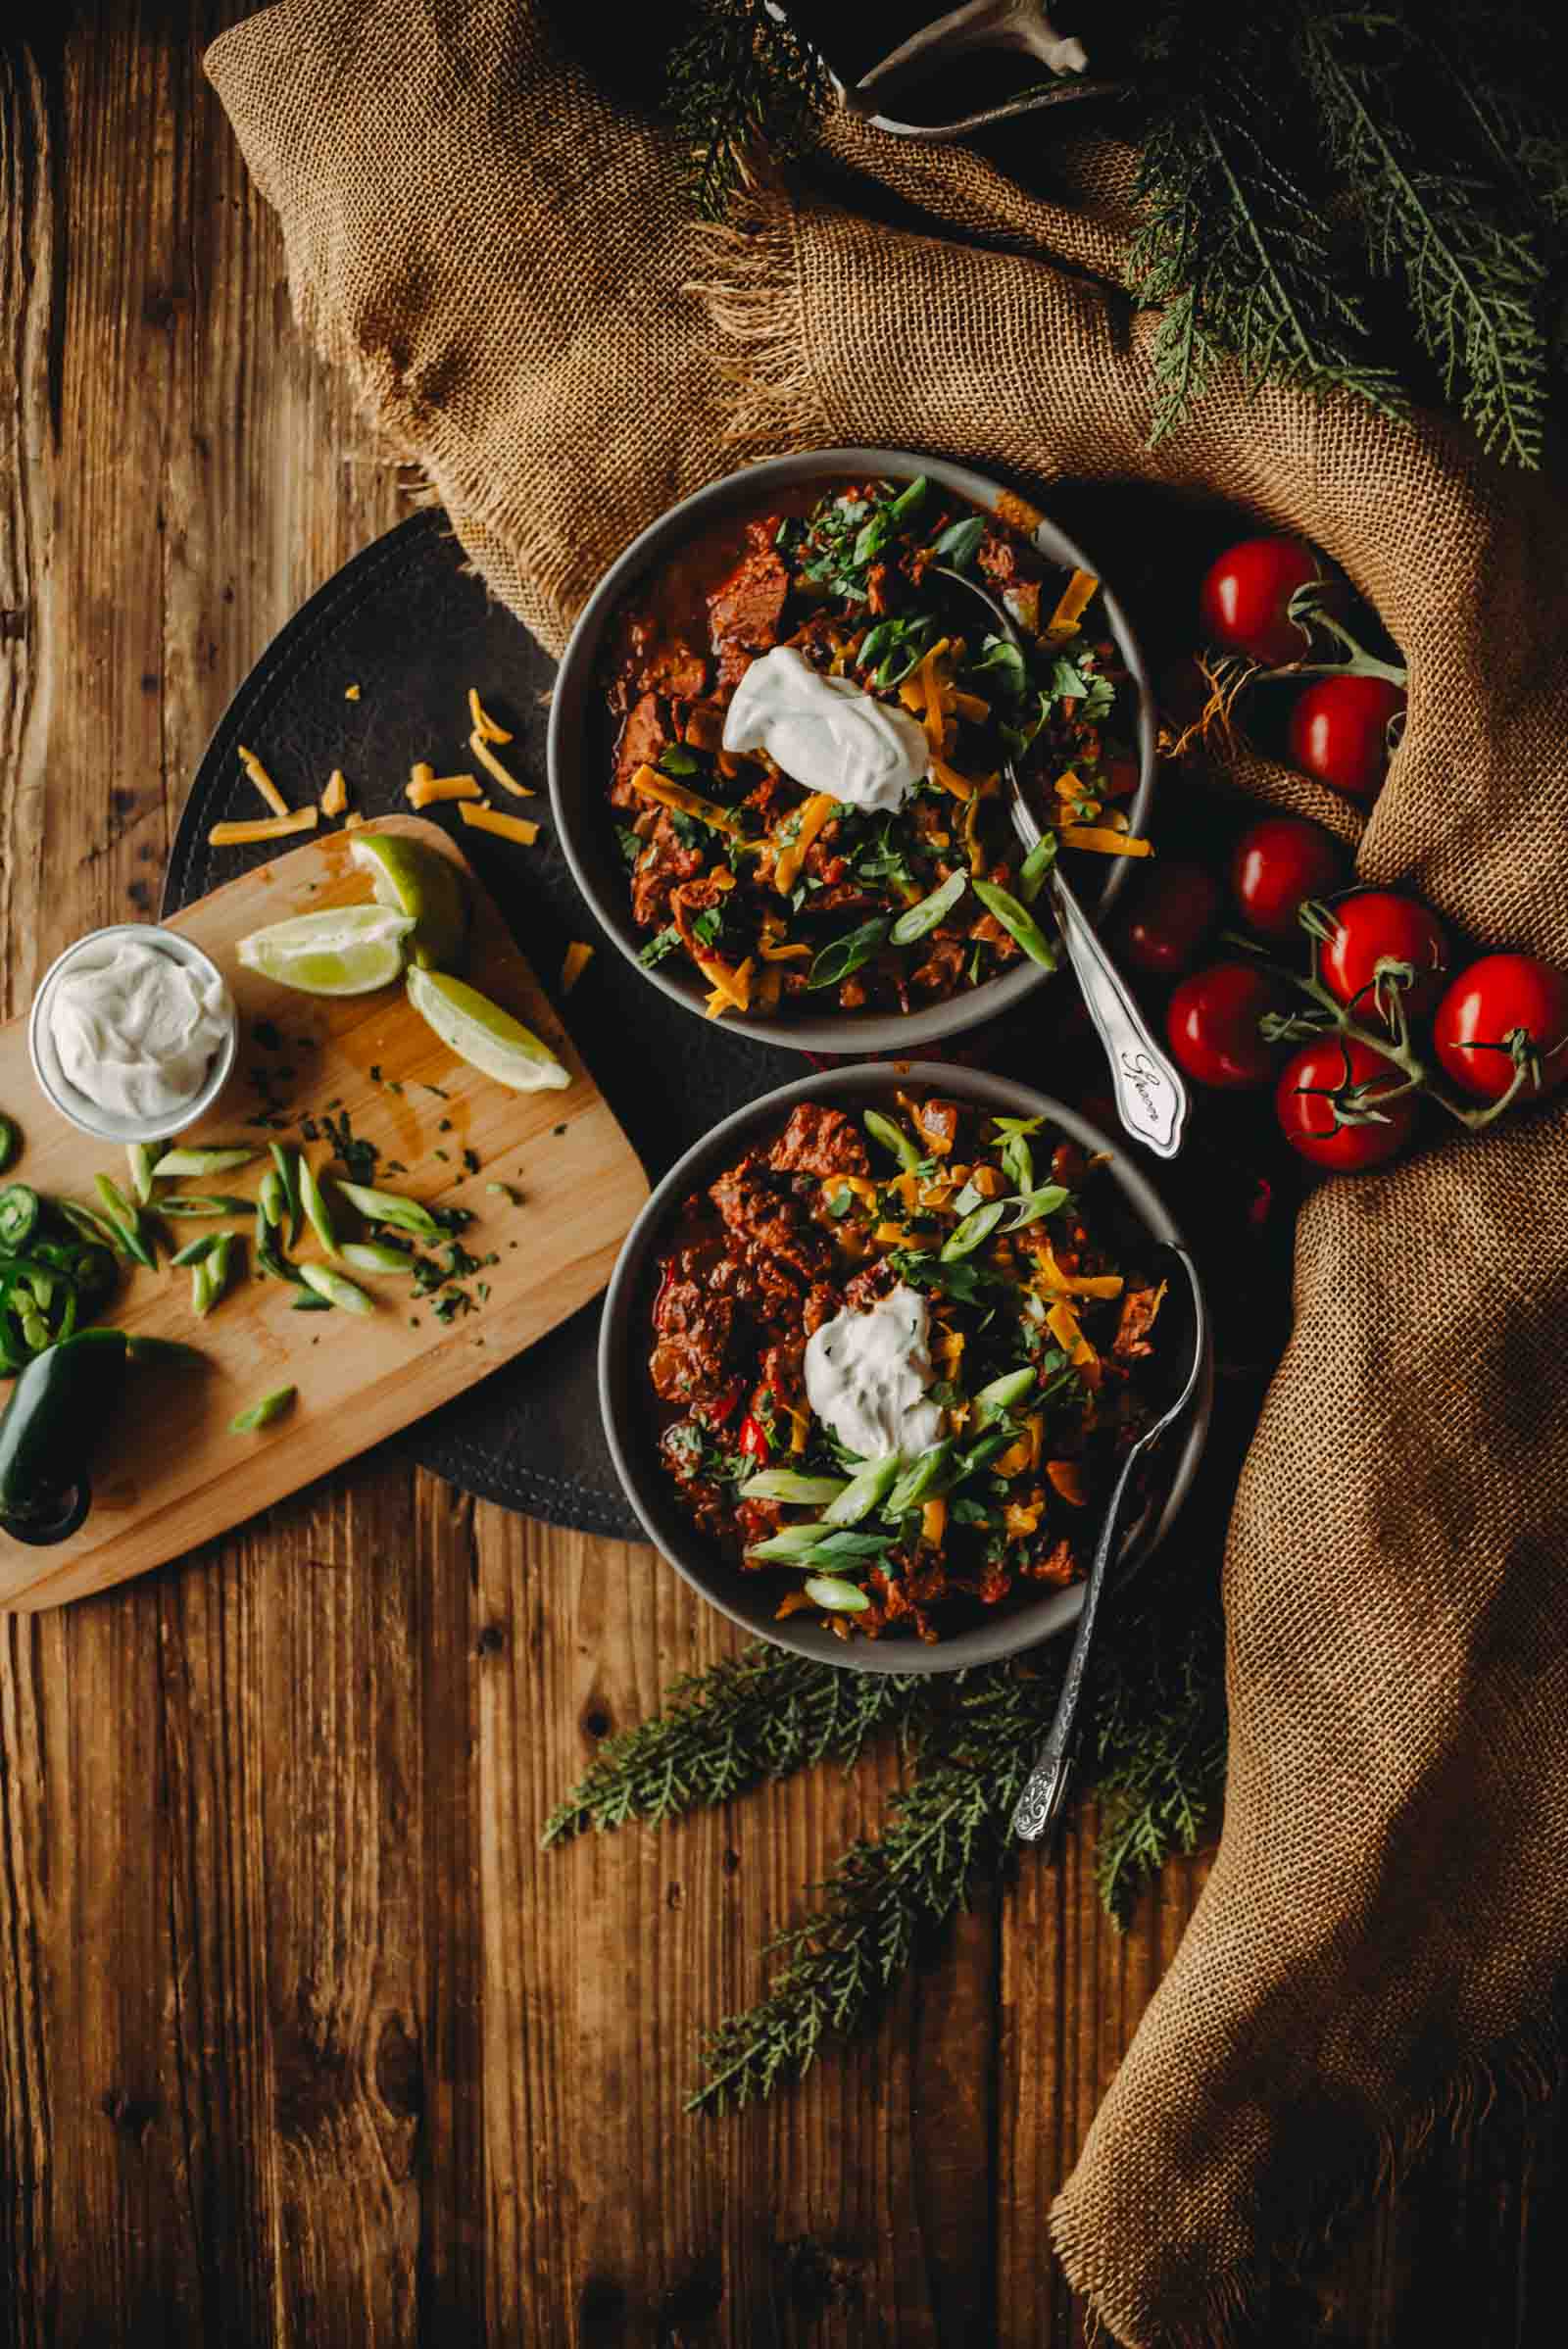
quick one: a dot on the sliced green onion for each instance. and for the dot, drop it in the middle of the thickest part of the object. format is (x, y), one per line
(917, 1479)
(388, 1206)
(980, 1454)
(194, 1251)
(310, 1303)
(126, 1221)
(973, 1230)
(1034, 866)
(262, 1414)
(336, 1290)
(792, 1542)
(1031, 1205)
(89, 1223)
(314, 1201)
(842, 955)
(272, 1198)
(892, 1137)
(139, 1159)
(205, 1203)
(373, 1255)
(838, 1596)
(783, 1484)
(287, 1161)
(864, 1490)
(204, 1162)
(1018, 922)
(918, 919)
(1002, 1394)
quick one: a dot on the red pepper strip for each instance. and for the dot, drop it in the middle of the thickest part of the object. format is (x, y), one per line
(754, 1439)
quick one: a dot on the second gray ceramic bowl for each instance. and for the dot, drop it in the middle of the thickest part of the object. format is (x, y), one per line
(623, 1397)
(577, 776)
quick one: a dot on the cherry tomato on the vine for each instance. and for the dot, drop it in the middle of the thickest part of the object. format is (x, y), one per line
(1330, 1105)
(1485, 1005)
(1279, 862)
(1175, 907)
(1378, 925)
(1245, 600)
(1212, 1024)
(1338, 732)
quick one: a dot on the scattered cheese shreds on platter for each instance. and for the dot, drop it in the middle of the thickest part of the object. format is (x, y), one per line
(479, 745)
(263, 827)
(578, 958)
(263, 781)
(485, 818)
(483, 722)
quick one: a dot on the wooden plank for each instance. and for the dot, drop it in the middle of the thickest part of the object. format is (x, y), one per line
(373, 1061)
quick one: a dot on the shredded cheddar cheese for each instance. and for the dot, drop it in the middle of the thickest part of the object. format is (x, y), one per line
(353, 820)
(351, 693)
(649, 784)
(732, 987)
(1104, 843)
(934, 1521)
(263, 781)
(578, 958)
(951, 780)
(429, 789)
(1067, 1478)
(1074, 601)
(483, 723)
(336, 797)
(261, 827)
(807, 821)
(1020, 1521)
(485, 818)
(479, 745)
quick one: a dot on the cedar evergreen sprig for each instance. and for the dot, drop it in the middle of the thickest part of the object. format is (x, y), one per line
(759, 1715)
(1337, 197)
(1156, 1756)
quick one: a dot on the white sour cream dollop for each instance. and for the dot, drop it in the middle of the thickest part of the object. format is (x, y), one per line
(866, 1376)
(826, 733)
(135, 1031)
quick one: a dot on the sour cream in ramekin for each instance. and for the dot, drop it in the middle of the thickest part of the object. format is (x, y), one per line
(133, 1033)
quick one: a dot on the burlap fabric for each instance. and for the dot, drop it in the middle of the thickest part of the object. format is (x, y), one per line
(502, 259)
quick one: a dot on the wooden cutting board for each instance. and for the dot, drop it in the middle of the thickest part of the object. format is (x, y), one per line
(168, 1474)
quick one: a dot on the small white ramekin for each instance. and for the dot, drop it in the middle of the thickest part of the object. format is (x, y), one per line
(74, 1104)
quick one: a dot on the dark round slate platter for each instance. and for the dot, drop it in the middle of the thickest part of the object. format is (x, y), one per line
(414, 629)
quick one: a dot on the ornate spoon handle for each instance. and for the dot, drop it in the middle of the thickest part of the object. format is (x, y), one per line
(1151, 1098)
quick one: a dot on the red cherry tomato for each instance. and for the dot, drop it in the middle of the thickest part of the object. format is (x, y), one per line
(1244, 603)
(754, 1439)
(1279, 862)
(1213, 1025)
(1378, 925)
(1326, 1128)
(1338, 732)
(1175, 907)
(1486, 1004)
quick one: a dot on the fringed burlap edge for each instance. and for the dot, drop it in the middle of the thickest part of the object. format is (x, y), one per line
(1508, 2082)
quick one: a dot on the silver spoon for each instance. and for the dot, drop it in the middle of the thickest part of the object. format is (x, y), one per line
(1151, 1098)
(1045, 1787)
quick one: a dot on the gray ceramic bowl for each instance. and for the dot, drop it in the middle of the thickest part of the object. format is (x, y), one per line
(577, 776)
(629, 1419)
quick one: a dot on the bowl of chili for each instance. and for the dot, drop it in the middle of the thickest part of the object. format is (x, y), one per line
(764, 1229)
(794, 916)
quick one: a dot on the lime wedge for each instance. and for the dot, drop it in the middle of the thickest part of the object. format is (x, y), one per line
(418, 879)
(350, 950)
(479, 1031)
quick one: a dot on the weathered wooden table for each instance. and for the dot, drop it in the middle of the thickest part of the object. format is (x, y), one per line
(302, 2038)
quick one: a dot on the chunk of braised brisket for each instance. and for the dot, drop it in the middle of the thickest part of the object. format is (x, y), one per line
(745, 611)
(767, 1219)
(646, 734)
(820, 1141)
